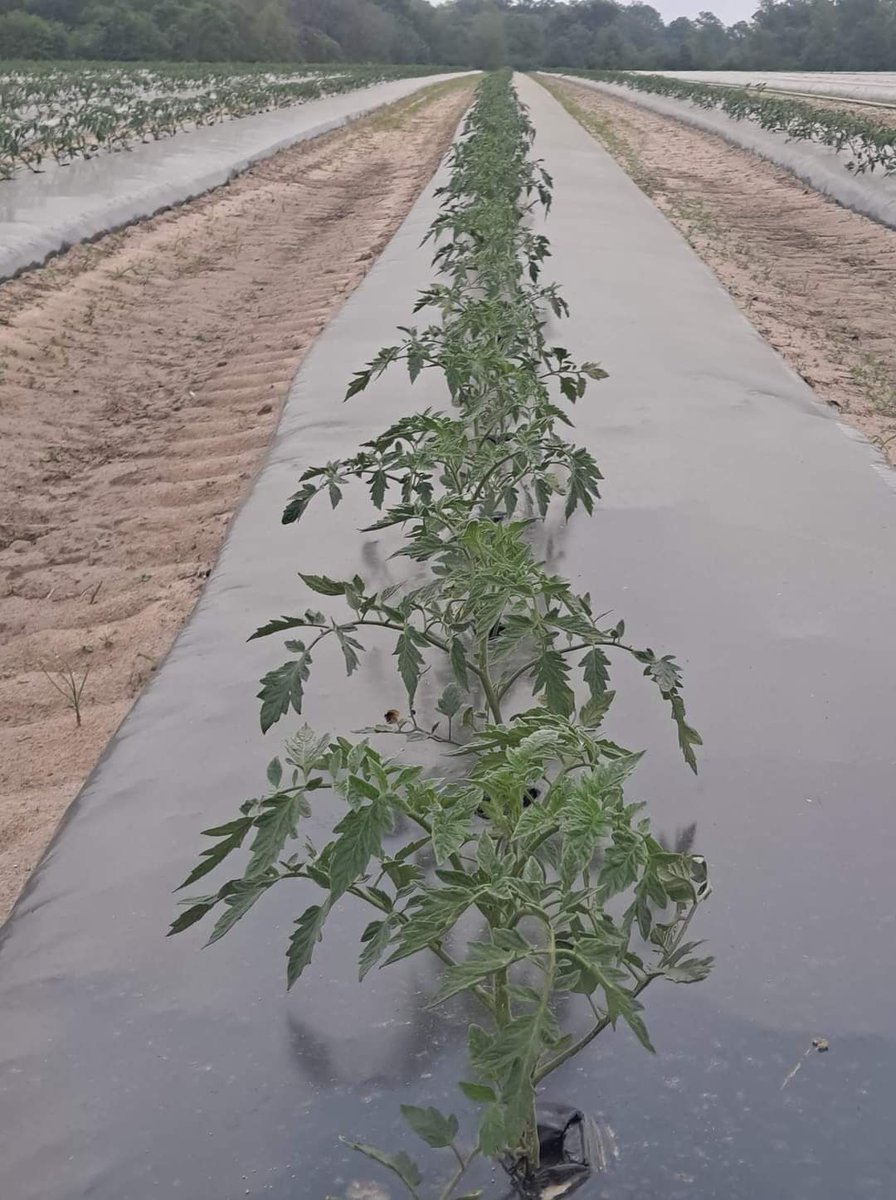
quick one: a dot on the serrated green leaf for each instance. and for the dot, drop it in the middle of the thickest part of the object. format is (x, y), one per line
(568, 388)
(450, 701)
(482, 960)
(450, 828)
(305, 936)
(191, 915)
(234, 834)
(689, 970)
(274, 827)
(429, 1124)
(592, 713)
(533, 820)
(360, 837)
(583, 824)
(665, 673)
(410, 662)
(239, 895)
(486, 858)
(493, 1131)
(297, 504)
(359, 382)
(459, 663)
(349, 646)
(688, 737)
(621, 864)
(415, 361)
(437, 912)
(359, 789)
(378, 488)
(551, 675)
(283, 688)
(306, 748)
(279, 625)
(619, 1003)
(514, 1045)
(324, 585)
(375, 939)
(596, 667)
(582, 483)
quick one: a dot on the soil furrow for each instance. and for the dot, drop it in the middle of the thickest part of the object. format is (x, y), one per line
(141, 378)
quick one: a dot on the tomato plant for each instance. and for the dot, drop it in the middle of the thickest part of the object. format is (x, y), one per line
(869, 144)
(523, 826)
(74, 111)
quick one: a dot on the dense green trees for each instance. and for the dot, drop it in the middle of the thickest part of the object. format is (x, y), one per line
(131, 30)
(783, 34)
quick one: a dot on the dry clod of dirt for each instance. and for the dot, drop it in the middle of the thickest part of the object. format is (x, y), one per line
(141, 378)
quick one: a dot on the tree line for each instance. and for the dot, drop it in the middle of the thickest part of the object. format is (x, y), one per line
(782, 34)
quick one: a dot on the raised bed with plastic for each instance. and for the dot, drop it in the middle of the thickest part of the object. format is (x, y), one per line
(737, 525)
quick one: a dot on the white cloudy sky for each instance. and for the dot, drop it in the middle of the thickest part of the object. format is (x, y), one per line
(727, 11)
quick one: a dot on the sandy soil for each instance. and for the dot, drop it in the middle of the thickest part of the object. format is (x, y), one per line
(141, 378)
(818, 281)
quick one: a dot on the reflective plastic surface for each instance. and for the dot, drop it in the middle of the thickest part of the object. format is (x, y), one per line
(41, 214)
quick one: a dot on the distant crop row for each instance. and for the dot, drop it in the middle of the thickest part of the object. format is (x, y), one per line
(869, 144)
(60, 113)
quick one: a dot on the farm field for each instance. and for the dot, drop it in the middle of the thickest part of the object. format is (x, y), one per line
(142, 377)
(46, 211)
(851, 139)
(817, 281)
(873, 86)
(59, 113)
(532, 708)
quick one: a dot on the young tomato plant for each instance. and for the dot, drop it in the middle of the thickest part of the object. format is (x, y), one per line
(869, 144)
(523, 831)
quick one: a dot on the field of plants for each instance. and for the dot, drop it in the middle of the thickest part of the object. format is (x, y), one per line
(484, 783)
(867, 143)
(873, 87)
(62, 112)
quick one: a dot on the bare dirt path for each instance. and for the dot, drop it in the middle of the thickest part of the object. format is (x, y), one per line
(141, 378)
(818, 281)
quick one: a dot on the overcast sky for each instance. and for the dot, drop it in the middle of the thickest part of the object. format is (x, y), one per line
(728, 11)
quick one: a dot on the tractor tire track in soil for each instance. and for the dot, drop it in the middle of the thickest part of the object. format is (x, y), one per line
(141, 379)
(816, 280)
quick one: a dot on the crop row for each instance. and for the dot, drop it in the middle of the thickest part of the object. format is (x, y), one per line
(869, 144)
(514, 817)
(49, 86)
(67, 115)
